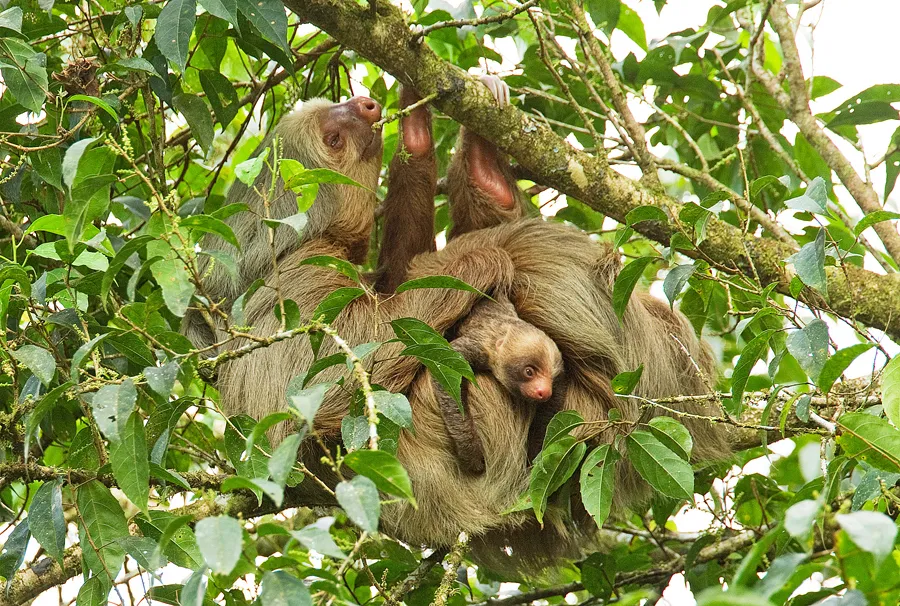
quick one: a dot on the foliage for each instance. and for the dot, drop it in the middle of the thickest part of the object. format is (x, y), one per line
(123, 124)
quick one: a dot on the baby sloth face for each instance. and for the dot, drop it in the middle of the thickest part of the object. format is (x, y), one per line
(529, 361)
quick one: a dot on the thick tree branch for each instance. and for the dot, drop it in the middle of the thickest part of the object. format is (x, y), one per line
(386, 40)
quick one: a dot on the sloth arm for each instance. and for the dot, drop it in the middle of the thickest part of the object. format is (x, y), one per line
(409, 205)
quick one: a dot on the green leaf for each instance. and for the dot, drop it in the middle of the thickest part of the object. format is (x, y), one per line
(220, 540)
(12, 555)
(27, 78)
(112, 406)
(194, 591)
(870, 439)
(211, 225)
(167, 475)
(39, 361)
(175, 538)
(626, 281)
(102, 524)
(93, 592)
(384, 470)
(625, 382)
(359, 498)
(269, 17)
(219, 90)
(171, 275)
(248, 170)
(307, 401)
(223, 9)
(258, 486)
(436, 282)
(872, 218)
(237, 308)
(248, 464)
(645, 213)
(872, 531)
(95, 101)
(173, 30)
(809, 263)
(749, 357)
(47, 403)
(284, 458)
(714, 596)
(838, 363)
(118, 262)
(676, 280)
(197, 115)
(265, 424)
(46, 519)
(161, 379)
(145, 551)
(598, 475)
(813, 200)
(338, 265)
(329, 309)
(631, 25)
(663, 469)
(447, 365)
(11, 18)
(130, 461)
(316, 536)
(552, 467)
(320, 175)
(322, 364)
(395, 407)
(278, 588)
(809, 346)
(746, 573)
(562, 425)
(673, 435)
(800, 517)
(890, 390)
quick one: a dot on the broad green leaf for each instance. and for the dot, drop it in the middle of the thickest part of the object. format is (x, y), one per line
(872, 218)
(248, 464)
(220, 540)
(249, 170)
(26, 79)
(395, 407)
(161, 379)
(12, 554)
(625, 283)
(269, 17)
(436, 282)
(223, 9)
(562, 425)
(211, 225)
(809, 263)
(673, 436)
(36, 359)
(257, 486)
(625, 382)
(749, 357)
(359, 498)
(194, 591)
(265, 424)
(95, 101)
(447, 365)
(145, 551)
(384, 470)
(11, 18)
(714, 596)
(130, 461)
(632, 26)
(102, 524)
(338, 265)
(174, 537)
(838, 363)
(354, 432)
(112, 406)
(118, 262)
(284, 458)
(329, 309)
(219, 90)
(237, 308)
(871, 531)
(94, 592)
(800, 517)
(173, 30)
(598, 475)
(663, 469)
(316, 536)
(296, 222)
(167, 475)
(746, 573)
(171, 275)
(307, 401)
(814, 199)
(676, 280)
(870, 439)
(552, 467)
(46, 519)
(890, 390)
(322, 364)
(196, 112)
(278, 588)
(320, 175)
(645, 213)
(809, 346)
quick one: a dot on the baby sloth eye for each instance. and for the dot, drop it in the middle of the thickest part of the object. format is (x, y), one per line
(333, 140)
(529, 371)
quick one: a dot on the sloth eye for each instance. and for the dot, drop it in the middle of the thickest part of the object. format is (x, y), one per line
(333, 140)
(529, 371)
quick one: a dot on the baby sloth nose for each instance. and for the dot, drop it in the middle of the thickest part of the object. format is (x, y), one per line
(367, 109)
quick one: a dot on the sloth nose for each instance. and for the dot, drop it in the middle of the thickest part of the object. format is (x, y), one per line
(367, 109)
(542, 393)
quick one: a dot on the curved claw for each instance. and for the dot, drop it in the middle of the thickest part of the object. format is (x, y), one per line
(498, 88)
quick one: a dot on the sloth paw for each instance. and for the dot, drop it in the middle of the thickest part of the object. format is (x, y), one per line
(498, 88)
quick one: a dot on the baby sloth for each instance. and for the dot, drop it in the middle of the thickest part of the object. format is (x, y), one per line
(521, 357)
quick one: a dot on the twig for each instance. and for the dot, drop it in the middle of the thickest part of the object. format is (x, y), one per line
(405, 111)
(420, 32)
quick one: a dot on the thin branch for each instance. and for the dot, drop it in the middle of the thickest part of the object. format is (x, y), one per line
(420, 32)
